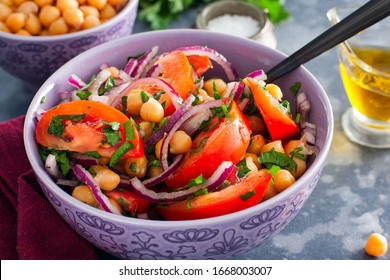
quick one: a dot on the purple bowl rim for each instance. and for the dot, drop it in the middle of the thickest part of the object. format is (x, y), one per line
(52, 38)
(242, 215)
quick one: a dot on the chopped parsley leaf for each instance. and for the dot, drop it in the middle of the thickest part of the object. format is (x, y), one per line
(295, 88)
(120, 152)
(243, 169)
(246, 196)
(56, 126)
(273, 157)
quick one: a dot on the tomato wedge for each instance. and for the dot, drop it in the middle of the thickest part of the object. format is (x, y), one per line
(129, 201)
(81, 125)
(227, 140)
(278, 120)
(233, 198)
(200, 64)
(177, 71)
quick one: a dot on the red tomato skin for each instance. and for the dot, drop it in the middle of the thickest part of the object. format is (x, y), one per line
(279, 122)
(200, 64)
(86, 135)
(225, 201)
(177, 71)
(129, 201)
(227, 142)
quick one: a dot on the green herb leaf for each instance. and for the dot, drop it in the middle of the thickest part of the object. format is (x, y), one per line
(277, 158)
(120, 152)
(129, 130)
(297, 153)
(122, 202)
(196, 181)
(56, 126)
(107, 86)
(144, 96)
(273, 170)
(243, 169)
(246, 196)
(295, 88)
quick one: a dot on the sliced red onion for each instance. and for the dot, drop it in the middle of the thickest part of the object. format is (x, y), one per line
(115, 94)
(130, 66)
(186, 116)
(308, 130)
(219, 176)
(243, 104)
(235, 88)
(85, 160)
(39, 113)
(154, 71)
(51, 166)
(213, 55)
(165, 174)
(75, 81)
(200, 113)
(85, 177)
(258, 75)
(143, 62)
(124, 76)
(173, 119)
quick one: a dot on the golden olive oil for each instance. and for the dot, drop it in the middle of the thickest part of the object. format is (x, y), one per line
(368, 88)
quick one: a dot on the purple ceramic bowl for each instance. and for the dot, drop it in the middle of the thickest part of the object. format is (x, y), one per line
(214, 238)
(34, 58)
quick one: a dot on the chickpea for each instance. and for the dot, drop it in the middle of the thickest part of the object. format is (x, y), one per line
(117, 3)
(16, 21)
(180, 142)
(23, 32)
(254, 159)
(106, 178)
(154, 171)
(291, 145)
(114, 72)
(42, 3)
(257, 124)
(256, 144)
(275, 91)
(49, 14)
(44, 32)
(58, 27)
(107, 12)
(283, 179)
(98, 4)
(115, 204)
(82, 2)
(152, 111)
(19, 2)
(145, 129)
(33, 25)
(28, 7)
(84, 194)
(5, 11)
(276, 145)
(90, 21)
(4, 28)
(134, 102)
(136, 167)
(73, 17)
(88, 10)
(269, 193)
(301, 167)
(219, 84)
(376, 245)
(62, 5)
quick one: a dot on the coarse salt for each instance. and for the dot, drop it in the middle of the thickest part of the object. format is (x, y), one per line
(239, 25)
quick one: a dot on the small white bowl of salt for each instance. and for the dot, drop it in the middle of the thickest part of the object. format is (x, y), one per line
(239, 19)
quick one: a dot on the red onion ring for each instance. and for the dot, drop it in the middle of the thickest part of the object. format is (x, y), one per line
(85, 177)
(218, 177)
(213, 55)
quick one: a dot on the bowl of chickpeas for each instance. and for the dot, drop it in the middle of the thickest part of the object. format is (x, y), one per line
(39, 36)
(126, 202)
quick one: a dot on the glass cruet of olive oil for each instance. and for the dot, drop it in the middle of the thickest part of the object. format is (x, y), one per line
(364, 62)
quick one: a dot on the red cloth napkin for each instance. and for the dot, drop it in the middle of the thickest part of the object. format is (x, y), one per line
(30, 228)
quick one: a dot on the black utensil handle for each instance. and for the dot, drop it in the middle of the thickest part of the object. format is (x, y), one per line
(367, 15)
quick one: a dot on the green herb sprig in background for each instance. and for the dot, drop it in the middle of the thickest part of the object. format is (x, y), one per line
(160, 13)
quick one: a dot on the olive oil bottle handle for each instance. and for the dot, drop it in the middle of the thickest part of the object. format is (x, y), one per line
(367, 15)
